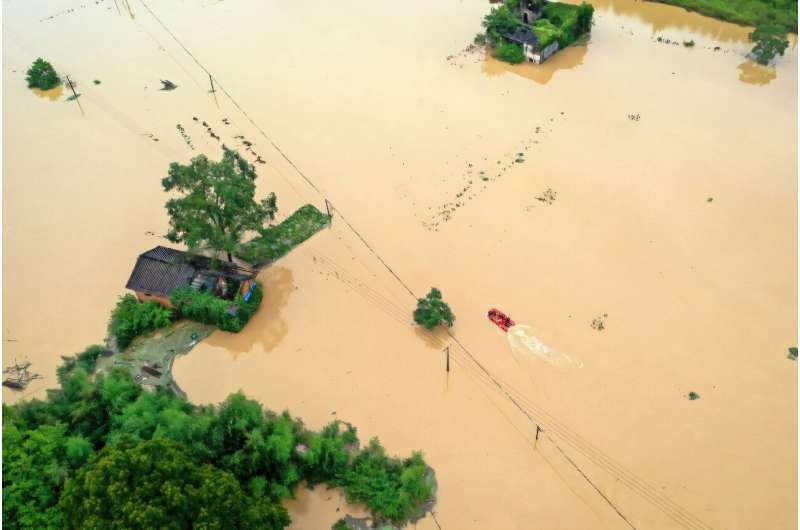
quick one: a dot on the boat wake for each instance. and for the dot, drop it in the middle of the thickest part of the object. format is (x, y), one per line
(524, 344)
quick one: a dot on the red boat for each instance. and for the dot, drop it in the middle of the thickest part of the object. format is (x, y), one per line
(502, 320)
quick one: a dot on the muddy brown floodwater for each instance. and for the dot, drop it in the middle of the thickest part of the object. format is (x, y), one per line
(673, 172)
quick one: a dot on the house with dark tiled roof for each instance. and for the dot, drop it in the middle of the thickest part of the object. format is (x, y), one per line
(161, 270)
(531, 46)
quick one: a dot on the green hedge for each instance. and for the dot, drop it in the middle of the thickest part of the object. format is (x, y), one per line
(131, 318)
(206, 308)
(276, 241)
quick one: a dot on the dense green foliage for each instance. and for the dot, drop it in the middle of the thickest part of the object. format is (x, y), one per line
(391, 488)
(158, 484)
(42, 75)
(217, 203)
(86, 360)
(510, 52)
(571, 20)
(432, 310)
(546, 32)
(747, 12)
(130, 318)
(501, 20)
(101, 453)
(204, 307)
(770, 40)
(275, 241)
(560, 21)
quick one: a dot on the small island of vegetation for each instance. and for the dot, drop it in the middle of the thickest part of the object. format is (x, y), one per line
(534, 30)
(432, 311)
(42, 75)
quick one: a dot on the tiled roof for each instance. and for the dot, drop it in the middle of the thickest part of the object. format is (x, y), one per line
(523, 36)
(160, 271)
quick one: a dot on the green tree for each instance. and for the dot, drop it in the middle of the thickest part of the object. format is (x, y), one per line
(432, 311)
(500, 20)
(217, 203)
(36, 464)
(393, 489)
(770, 40)
(157, 484)
(327, 457)
(131, 318)
(42, 75)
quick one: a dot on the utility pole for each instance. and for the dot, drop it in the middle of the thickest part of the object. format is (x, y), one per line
(447, 352)
(211, 80)
(329, 208)
(69, 82)
(538, 429)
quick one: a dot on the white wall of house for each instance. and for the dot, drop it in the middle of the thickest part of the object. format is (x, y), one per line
(540, 56)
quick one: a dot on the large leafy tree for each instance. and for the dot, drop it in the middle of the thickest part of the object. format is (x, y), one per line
(217, 202)
(157, 484)
(432, 311)
(499, 21)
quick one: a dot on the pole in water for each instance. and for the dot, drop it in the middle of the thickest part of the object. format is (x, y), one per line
(447, 351)
(537, 432)
(69, 82)
(211, 80)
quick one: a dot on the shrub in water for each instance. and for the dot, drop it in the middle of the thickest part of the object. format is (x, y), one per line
(432, 310)
(132, 318)
(769, 41)
(42, 75)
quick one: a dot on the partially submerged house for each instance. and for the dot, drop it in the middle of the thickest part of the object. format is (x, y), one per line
(531, 46)
(161, 270)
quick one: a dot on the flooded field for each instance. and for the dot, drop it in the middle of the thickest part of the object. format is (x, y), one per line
(648, 234)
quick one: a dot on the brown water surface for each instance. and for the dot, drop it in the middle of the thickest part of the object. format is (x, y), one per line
(674, 216)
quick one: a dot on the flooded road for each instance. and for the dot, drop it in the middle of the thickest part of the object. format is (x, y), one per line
(672, 219)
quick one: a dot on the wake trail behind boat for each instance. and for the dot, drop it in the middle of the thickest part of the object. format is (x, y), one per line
(525, 344)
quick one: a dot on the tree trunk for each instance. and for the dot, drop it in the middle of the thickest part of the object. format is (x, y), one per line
(230, 258)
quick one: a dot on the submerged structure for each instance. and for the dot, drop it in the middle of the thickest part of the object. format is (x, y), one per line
(534, 30)
(161, 270)
(531, 45)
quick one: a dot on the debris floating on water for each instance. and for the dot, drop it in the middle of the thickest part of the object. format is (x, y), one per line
(599, 323)
(18, 376)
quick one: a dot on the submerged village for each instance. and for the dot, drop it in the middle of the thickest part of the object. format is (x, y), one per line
(405, 272)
